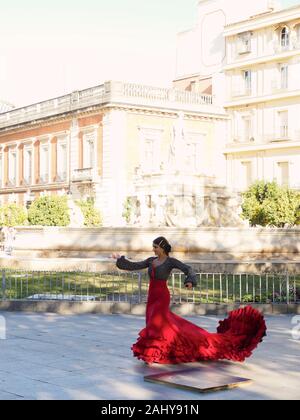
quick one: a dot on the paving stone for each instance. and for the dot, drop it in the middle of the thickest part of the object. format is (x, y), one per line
(48, 356)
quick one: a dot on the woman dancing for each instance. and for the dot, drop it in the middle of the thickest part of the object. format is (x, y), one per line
(170, 339)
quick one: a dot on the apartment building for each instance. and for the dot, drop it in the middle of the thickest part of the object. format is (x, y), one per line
(262, 78)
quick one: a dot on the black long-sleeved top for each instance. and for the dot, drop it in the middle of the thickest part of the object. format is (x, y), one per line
(162, 271)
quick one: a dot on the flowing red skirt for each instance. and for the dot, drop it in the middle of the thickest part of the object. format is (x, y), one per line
(170, 339)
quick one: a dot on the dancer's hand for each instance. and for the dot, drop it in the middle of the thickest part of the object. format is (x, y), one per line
(189, 286)
(115, 256)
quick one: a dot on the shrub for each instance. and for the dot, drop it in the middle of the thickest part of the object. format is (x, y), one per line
(13, 215)
(298, 210)
(92, 216)
(49, 211)
(268, 204)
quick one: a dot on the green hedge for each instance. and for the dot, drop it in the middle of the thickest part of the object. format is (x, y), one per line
(268, 204)
(13, 215)
(49, 211)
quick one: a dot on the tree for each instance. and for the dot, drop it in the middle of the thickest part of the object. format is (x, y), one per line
(268, 204)
(92, 216)
(12, 215)
(49, 211)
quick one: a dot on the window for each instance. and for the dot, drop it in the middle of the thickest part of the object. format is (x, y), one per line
(248, 81)
(150, 140)
(284, 76)
(246, 179)
(244, 43)
(283, 173)
(28, 166)
(285, 37)
(89, 151)
(149, 162)
(44, 165)
(194, 152)
(247, 128)
(193, 86)
(62, 161)
(12, 167)
(283, 124)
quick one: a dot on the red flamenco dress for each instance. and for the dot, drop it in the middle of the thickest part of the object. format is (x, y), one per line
(170, 339)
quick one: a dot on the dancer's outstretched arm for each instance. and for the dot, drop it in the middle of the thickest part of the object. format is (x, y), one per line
(191, 277)
(124, 264)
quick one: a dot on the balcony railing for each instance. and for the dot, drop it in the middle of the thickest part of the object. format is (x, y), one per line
(243, 49)
(44, 179)
(109, 92)
(27, 180)
(297, 45)
(61, 177)
(241, 91)
(281, 135)
(279, 48)
(80, 175)
(12, 182)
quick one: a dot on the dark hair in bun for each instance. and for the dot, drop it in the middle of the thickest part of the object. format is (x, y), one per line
(164, 244)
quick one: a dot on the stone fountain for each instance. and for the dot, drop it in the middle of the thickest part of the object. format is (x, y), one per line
(175, 197)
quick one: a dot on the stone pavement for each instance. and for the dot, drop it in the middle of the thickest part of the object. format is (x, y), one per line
(48, 356)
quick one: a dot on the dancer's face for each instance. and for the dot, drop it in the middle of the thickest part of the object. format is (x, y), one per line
(158, 251)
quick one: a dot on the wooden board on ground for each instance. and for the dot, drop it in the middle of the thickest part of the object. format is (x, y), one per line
(201, 380)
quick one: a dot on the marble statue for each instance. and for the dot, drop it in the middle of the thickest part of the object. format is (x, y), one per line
(211, 215)
(8, 234)
(232, 213)
(178, 147)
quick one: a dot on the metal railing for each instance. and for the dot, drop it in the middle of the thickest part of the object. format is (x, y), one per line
(133, 287)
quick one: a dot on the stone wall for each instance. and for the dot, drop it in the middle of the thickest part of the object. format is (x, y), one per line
(208, 250)
(215, 244)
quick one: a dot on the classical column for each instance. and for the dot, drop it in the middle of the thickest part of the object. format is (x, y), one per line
(53, 163)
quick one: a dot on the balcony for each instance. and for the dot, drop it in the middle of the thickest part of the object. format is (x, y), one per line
(241, 91)
(241, 141)
(83, 175)
(273, 52)
(283, 135)
(109, 92)
(278, 48)
(278, 87)
(244, 48)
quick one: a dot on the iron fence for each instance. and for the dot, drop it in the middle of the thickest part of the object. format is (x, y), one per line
(133, 287)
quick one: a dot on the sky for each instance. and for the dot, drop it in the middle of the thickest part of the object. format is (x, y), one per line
(49, 48)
